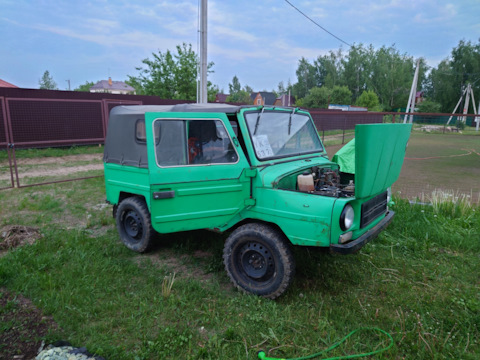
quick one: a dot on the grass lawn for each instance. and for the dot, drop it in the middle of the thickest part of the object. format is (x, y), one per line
(418, 281)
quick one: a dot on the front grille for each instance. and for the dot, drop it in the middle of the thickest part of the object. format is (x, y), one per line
(373, 208)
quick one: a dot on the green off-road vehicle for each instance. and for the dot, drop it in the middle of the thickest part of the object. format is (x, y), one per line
(260, 173)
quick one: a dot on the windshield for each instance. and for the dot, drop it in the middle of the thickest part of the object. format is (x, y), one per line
(277, 134)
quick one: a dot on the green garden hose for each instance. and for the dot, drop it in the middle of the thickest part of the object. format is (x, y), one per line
(263, 356)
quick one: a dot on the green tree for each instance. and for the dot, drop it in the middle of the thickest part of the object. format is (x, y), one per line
(340, 95)
(357, 69)
(136, 84)
(369, 100)
(305, 78)
(85, 87)
(234, 87)
(447, 82)
(317, 97)
(428, 106)
(47, 82)
(328, 69)
(237, 94)
(169, 75)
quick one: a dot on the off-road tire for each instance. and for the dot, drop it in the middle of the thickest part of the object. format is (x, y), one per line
(134, 224)
(258, 259)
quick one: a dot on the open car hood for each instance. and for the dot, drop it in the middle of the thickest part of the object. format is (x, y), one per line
(379, 153)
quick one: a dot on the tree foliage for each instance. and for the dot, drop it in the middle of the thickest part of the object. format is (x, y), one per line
(447, 82)
(47, 82)
(369, 100)
(428, 106)
(237, 94)
(385, 71)
(320, 97)
(169, 75)
(85, 87)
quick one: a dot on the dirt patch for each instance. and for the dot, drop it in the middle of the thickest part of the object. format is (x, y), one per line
(182, 265)
(61, 160)
(12, 236)
(56, 166)
(23, 326)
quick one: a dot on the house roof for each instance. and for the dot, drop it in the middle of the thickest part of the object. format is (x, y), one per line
(221, 97)
(116, 85)
(3, 83)
(268, 97)
(285, 100)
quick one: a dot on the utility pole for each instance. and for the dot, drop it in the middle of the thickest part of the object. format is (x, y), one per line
(411, 98)
(203, 96)
(467, 92)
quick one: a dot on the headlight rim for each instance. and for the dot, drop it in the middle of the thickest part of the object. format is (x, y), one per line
(347, 222)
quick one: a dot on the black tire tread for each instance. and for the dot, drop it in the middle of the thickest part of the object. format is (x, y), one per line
(139, 205)
(282, 244)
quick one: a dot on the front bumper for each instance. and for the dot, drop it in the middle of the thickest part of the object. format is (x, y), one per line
(371, 234)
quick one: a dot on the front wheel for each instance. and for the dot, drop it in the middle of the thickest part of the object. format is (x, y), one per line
(258, 259)
(134, 224)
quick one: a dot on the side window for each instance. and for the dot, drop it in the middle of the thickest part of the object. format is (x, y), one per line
(140, 134)
(171, 148)
(192, 142)
(209, 143)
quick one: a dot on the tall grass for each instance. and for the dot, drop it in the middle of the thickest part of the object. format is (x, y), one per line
(452, 203)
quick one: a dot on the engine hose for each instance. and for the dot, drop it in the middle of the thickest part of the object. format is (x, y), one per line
(263, 356)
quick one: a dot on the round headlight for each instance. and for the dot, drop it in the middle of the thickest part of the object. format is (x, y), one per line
(346, 218)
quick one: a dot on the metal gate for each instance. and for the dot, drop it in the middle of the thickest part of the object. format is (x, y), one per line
(27, 123)
(6, 175)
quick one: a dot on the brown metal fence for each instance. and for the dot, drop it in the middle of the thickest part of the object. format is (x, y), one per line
(41, 118)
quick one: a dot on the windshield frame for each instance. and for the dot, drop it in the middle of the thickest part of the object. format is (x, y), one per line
(289, 113)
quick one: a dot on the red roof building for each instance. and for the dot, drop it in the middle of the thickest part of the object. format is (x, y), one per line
(3, 83)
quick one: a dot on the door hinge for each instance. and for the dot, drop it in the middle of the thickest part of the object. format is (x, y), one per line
(249, 202)
(250, 173)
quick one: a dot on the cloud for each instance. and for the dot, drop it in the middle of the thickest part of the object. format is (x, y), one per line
(233, 35)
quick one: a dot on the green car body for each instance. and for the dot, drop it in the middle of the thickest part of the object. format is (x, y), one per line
(259, 171)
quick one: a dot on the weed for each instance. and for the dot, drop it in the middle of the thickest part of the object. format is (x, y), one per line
(451, 204)
(167, 285)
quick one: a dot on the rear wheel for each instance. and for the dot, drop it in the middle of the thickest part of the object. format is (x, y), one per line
(258, 259)
(134, 224)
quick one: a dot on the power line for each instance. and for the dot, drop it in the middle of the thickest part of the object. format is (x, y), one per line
(320, 26)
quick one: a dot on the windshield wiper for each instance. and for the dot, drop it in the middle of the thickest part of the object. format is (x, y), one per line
(258, 120)
(290, 120)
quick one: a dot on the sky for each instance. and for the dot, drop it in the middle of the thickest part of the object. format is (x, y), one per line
(259, 41)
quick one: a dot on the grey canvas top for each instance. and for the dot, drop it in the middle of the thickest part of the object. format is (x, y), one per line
(142, 109)
(121, 145)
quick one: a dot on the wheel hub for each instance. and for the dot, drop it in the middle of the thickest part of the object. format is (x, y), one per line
(133, 225)
(256, 260)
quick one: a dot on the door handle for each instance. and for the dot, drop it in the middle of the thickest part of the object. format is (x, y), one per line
(159, 195)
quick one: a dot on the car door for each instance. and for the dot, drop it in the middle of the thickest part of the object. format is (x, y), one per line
(198, 172)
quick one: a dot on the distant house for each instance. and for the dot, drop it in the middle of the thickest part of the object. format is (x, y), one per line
(3, 83)
(112, 87)
(221, 98)
(285, 100)
(263, 98)
(419, 97)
